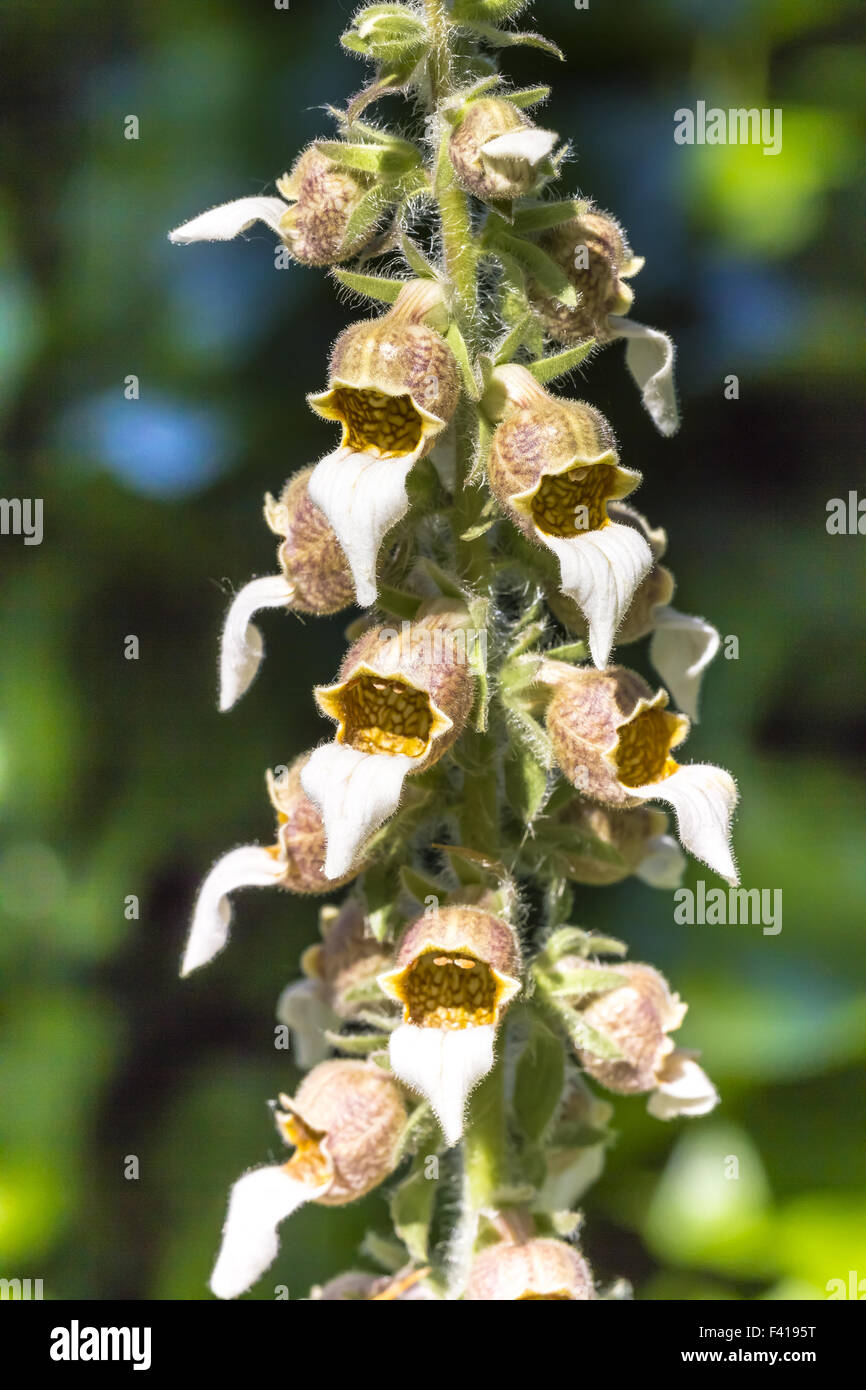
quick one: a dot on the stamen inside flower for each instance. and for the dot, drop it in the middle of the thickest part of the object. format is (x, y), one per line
(382, 715)
(642, 753)
(570, 503)
(373, 423)
(308, 1164)
(449, 991)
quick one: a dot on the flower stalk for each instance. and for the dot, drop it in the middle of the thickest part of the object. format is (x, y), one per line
(485, 758)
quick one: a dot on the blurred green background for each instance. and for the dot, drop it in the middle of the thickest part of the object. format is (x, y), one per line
(118, 777)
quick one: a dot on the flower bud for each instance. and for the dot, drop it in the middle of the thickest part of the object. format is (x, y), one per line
(638, 836)
(295, 862)
(497, 152)
(456, 971)
(613, 739)
(323, 195)
(553, 467)
(637, 1017)
(393, 387)
(400, 701)
(345, 1124)
(592, 252)
(539, 1269)
(346, 958)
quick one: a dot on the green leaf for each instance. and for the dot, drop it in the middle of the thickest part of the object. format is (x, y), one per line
(539, 1079)
(510, 38)
(547, 369)
(398, 602)
(576, 983)
(530, 735)
(454, 339)
(384, 161)
(571, 651)
(575, 941)
(494, 11)
(382, 288)
(526, 785)
(366, 215)
(582, 1036)
(448, 587)
(511, 344)
(527, 96)
(422, 886)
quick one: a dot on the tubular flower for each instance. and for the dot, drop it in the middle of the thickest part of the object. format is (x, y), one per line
(639, 837)
(407, 1286)
(541, 1269)
(595, 256)
(638, 1016)
(497, 153)
(315, 578)
(345, 1125)
(393, 387)
(613, 739)
(311, 217)
(400, 702)
(554, 467)
(294, 862)
(681, 647)
(455, 973)
(346, 958)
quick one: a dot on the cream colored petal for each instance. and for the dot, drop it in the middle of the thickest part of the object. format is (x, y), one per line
(600, 571)
(703, 798)
(241, 649)
(362, 497)
(258, 1202)
(303, 1009)
(681, 649)
(230, 219)
(445, 1065)
(684, 1089)
(664, 863)
(251, 866)
(649, 356)
(355, 793)
(519, 146)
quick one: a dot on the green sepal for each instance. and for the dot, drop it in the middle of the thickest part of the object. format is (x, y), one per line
(575, 941)
(448, 587)
(582, 1036)
(546, 369)
(416, 259)
(367, 992)
(511, 38)
(539, 1079)
(512, 343)
(577, 983)
(378, 890)
(529, 735)
(381, 288)
(550, 214)
(388, 1254)
(471, 867)
(366, 215)
(389, 161)
(420, 886)
(478, 471)
(357, 1044)
(527, 96)
(411, 1205)
(454, 339)
(535, 261)
(571, 651)
(492, 11)
(398, 602)
(526, 785)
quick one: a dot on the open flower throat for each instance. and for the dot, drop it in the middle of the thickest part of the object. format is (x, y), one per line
(385, 715)
(642, 753)
(375, 423)
(308, 1164)
(452, 990)
(570, 503)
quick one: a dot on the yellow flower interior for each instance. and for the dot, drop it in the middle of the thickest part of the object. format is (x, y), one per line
(560, 1297)
(373, 423)
(380, 715)
(570, 503)
(449, 990)
(308, 1164)
(642, 753)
